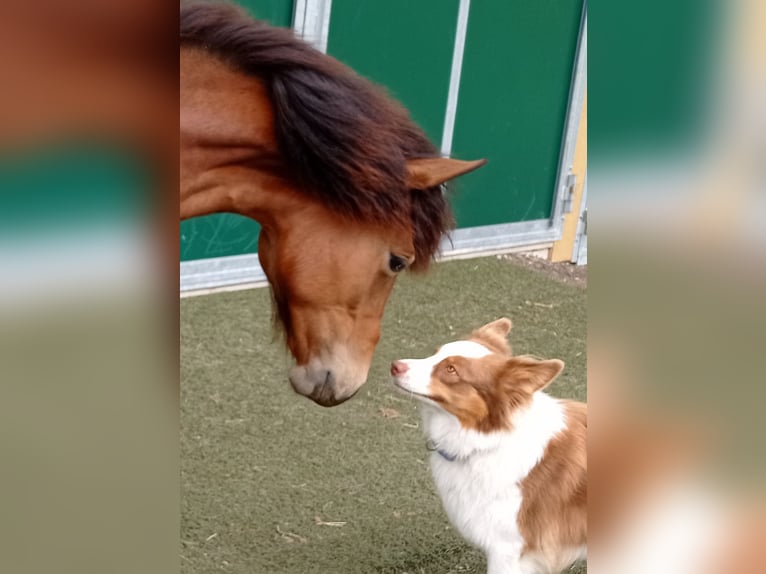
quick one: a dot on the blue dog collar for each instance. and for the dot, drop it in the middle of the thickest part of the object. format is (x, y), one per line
(446, 455)
(431, 446)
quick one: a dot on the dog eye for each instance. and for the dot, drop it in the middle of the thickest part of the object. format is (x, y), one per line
(396, 263)
(451, 370)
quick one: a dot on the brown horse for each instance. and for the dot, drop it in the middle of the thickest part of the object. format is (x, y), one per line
(346, 187)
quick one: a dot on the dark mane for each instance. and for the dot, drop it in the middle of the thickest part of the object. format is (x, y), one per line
(342, 137)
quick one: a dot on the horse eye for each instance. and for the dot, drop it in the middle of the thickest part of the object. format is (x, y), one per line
(396, 263)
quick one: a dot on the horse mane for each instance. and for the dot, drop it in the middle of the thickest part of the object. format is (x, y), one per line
(343, 139)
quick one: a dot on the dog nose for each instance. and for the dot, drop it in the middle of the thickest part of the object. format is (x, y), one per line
(398, 368)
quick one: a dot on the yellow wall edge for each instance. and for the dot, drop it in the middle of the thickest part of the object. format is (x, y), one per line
(562, 249)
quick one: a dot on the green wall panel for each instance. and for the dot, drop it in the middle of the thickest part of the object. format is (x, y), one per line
(218, 235)
(225, 234)
(517, 70)
(404, 45)
(278, 12)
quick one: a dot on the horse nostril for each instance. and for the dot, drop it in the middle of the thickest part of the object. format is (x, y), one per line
(398, 368)
(324, 387)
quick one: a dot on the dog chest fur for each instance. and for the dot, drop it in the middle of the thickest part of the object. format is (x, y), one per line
(480, 488)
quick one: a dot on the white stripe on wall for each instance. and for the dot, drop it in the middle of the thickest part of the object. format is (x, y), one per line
(311, 20)
(454, 79)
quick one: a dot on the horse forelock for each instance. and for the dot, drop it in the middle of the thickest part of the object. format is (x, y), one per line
(342, 138)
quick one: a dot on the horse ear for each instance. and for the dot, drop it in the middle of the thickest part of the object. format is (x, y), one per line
(423, 173)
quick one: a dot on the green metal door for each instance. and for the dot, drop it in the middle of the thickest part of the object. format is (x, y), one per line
(515, 74)
(405, 46)
(514, 92)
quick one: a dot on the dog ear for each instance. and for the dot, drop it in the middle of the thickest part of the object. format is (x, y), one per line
(499, 327)
(494, 336)
(531, 374)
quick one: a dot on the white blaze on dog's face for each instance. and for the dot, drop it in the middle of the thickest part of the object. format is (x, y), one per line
(417, 376)
(414, 375)
(476, 380)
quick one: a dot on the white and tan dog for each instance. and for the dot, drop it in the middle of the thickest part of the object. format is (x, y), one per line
(508, 460)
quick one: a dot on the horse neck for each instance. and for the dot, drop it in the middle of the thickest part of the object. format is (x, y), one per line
(230, 160)
(234, 180)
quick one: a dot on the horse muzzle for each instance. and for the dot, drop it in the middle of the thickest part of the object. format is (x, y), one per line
(323, 385)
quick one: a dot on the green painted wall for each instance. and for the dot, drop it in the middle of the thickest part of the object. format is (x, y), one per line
(406, 46)
(514, 90)
(278, 12)
(225, 234)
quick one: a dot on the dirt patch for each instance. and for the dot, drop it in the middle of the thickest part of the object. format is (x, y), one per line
(564, 272)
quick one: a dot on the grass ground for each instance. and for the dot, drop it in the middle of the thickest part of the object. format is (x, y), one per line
(273, 484)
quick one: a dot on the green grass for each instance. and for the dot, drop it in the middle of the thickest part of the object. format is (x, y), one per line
(262, 466)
